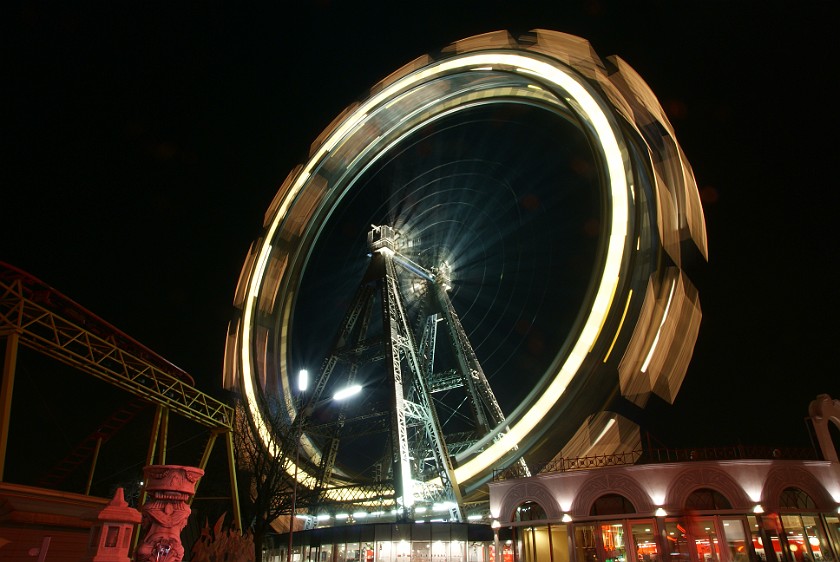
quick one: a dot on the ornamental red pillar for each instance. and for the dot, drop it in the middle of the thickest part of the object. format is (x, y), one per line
(165, 513)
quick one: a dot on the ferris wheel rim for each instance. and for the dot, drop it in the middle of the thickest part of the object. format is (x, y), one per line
(565, 82)
(596, 115)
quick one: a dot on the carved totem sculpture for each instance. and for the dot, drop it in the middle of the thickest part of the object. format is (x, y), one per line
(166, 511)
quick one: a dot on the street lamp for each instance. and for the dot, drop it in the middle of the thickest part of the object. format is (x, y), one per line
(303, 413)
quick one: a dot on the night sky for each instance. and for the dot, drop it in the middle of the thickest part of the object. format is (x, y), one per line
(142, 144)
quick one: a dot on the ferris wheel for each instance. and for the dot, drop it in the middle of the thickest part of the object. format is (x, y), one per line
(489, 245)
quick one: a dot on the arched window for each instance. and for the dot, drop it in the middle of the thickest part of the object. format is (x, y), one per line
(612, 504)
(530, 511)
(706, 499)
(794, 498)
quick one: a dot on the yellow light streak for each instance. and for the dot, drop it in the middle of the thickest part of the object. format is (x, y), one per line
(579, 96)
(620, 324)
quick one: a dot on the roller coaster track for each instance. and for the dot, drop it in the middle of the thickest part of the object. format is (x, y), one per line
(50, 323)
(37, 316)
(89, 446)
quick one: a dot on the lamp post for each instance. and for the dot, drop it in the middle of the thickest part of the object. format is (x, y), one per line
(495, 525)
(303, 384)
(303, 413)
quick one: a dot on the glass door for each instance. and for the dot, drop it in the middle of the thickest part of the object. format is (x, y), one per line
(830, 549)
(676, 538)
(644, 540)
(612, 537)
(735, 539)
(705, 540)
(585, 548)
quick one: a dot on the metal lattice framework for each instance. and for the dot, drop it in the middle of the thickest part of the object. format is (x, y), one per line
(42, 318)
(39, 317)
(416, 441)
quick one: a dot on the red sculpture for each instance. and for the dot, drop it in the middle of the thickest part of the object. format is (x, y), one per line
(110, 534)
(166, 511)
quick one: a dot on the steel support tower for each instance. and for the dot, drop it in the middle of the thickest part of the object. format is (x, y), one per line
(418, 451)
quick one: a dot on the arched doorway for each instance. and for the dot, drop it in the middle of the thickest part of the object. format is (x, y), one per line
(604, 541)
(803, 538)
(536, 538)
(703, 531)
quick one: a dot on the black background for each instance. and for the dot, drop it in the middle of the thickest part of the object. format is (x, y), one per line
(143, 142)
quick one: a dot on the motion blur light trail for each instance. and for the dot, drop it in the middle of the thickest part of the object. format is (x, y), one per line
(548, 185)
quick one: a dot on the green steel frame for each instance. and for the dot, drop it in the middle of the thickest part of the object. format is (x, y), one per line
(33, 315)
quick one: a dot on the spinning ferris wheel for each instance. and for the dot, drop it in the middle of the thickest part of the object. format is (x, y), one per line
(490, 244)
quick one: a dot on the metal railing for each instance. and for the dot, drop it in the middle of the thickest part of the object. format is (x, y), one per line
(734, 452)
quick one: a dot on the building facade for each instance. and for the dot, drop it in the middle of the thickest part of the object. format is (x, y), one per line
(704, 505)
(706, 511)
(698, 510)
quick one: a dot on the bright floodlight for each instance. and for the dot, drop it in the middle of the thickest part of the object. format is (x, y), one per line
(347, 392)
(303, 380)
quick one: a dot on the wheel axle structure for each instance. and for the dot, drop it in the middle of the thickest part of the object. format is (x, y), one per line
(521, 295)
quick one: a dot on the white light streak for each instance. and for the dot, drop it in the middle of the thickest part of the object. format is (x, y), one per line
(646, 364)
(604, 431)
(573, 88)
(347, 392)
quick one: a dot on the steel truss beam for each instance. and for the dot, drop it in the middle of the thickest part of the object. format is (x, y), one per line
(418, 447)
(104, 352)
(42, 319)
